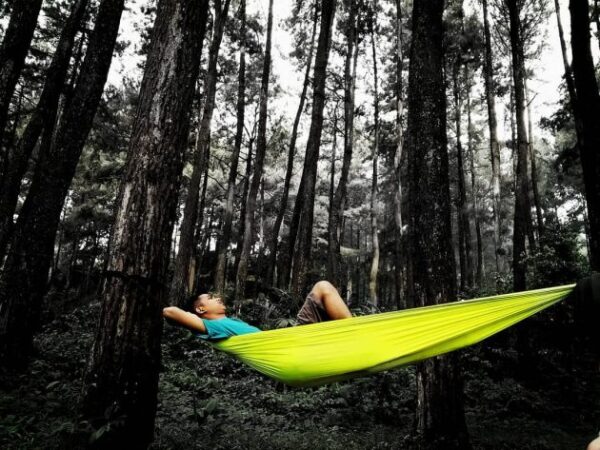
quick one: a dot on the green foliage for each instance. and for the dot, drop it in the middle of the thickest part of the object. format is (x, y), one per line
(558, 258)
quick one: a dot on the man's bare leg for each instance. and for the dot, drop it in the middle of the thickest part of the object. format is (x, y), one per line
(332, 301)
(594, 445)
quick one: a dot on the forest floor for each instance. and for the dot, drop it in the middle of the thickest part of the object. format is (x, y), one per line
(209, 400)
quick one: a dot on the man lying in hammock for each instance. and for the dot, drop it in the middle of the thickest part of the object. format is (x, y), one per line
(206, 315)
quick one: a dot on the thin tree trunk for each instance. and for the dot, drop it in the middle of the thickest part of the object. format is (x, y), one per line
(179, 283)
(303, 241)
(475, 200)
(13, 51)
(235, 156)
(532, 157)
(257, 173)
(488, 70)
(440, 419)
(333, 156)
(241, 230)
(588, 105)
(374, 227)
(43, 118)
(339, 200)
(274, 244)
(569, 77)
(121, 381)
(23, 282)
(464, 228)
(399, 241)
(522, 218)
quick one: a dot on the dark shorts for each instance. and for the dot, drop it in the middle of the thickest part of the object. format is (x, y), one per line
(312, 311)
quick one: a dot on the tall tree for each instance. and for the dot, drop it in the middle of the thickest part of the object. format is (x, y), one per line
(464, 227)
(179, 284)
(471, 149)
(339, 200)
(375, 153)
(440, 419)
(235, 156)
(23, 281)
(13, 51)
(588, 110)
(122, 374)
(569, 75)
(534, 174)
(257, 172)
(302, 244)
(274, 244)
(522, 217)
(490, 87)
(42, 119)
(398, 244)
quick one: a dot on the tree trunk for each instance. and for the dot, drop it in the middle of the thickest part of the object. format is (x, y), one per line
(121, 382)
(303, 241)
(488, 70)
(464, 227)
(475, 200)
(235, 156)
(522, 218)
(333, 156)
(274, 244)
(440, 419)
(532, 157)
(339, 199)
(13, 51)
(43, 118)
(241, 228)
(374, 227)
(588, 107)
(179, 283)
(399, 241)
(23, 282)
(257, 173)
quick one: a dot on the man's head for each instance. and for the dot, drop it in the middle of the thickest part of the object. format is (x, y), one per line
(206, 306)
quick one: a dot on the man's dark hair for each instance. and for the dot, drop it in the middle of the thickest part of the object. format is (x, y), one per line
(190, 303)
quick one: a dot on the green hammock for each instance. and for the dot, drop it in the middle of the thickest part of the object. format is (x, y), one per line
(325, 352)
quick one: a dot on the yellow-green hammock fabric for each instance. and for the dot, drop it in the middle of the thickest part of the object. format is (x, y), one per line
(337, 350)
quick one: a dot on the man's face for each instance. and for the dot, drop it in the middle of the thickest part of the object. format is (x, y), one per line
(209, 303)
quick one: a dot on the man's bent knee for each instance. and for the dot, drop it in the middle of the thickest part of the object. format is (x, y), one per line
(324, 286)
(594, 445)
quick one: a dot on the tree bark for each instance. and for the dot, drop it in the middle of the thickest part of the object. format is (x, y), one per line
(13, 51)
(303, 241)
(569, 77)
(23, 282)
(534, 184)
(43, 118)
(257, 173)
(122, 374)
(398, 199)
(488, 70)
(475, 200)
(335, 229)
(522, 217)
(375, 153)
(235, 156)
(440, 420)
(274, 244)
(248, 174)
(464, 228)
(179, 285)
(588, 107)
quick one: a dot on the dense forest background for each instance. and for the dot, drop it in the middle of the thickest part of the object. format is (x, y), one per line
(410, 152)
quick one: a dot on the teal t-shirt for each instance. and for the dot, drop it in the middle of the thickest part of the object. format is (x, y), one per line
(226, 327)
